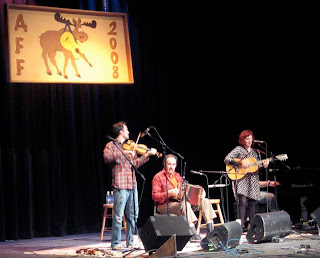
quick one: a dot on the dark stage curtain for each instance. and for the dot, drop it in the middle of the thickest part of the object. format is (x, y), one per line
(193, 64)
(53, 179)
(52, 176)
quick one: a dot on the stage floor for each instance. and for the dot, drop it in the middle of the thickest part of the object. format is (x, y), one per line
(293, 245)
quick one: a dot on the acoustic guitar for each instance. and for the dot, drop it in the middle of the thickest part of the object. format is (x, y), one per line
(236, 172)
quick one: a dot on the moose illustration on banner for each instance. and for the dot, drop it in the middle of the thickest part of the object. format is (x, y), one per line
(67, 41)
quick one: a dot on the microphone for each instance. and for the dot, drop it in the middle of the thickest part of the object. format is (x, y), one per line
(111, 139)
(196, 172)
(273, 169)
(145, 132)
(258, 141)
(260, 151)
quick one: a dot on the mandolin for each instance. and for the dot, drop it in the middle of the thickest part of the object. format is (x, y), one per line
(236, 172)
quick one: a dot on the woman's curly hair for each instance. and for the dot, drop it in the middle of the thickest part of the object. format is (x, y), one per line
(244, 134)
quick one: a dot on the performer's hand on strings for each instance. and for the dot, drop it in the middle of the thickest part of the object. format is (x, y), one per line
(245, 163)
(173, 193)
(151, 152)
(265, 163)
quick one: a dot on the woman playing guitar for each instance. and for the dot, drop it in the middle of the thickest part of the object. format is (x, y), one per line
(246, 188)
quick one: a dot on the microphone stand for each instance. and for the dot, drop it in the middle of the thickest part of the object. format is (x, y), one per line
(235, 167)
(184, 188)
(201, 174)
(207, 186)
(168, 212)
(272, 155)
(275, 188)
(274, 174)
(224, 174)
(164, 145)
(266, 176)
(266, 169)
(227, 183)
(227, 196)
(223, 203)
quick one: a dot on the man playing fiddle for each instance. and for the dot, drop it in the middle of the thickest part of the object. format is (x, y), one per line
(165, 186)
(124, 184)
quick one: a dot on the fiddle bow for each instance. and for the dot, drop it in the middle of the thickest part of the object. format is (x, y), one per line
(135, 145)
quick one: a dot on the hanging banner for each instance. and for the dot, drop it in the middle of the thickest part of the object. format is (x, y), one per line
(55, 45)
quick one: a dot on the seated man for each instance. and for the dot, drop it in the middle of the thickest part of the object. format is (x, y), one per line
(267, 197)
(165, 187)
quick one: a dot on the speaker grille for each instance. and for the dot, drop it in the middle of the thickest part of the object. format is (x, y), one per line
(264, 226)
(227, 235)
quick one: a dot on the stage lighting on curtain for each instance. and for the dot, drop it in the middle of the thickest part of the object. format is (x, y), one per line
(55, 45)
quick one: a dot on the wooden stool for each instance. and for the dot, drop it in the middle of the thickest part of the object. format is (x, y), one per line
(217, 211)
(109, 216)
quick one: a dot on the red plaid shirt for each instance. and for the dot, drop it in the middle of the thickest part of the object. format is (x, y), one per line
(159, 191)
(121, 168)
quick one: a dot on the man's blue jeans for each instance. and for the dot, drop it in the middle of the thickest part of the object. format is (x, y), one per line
(123, 204)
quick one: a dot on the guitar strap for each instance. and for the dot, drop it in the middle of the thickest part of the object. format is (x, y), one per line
(259, 152)
(68, 25)
(244, 154)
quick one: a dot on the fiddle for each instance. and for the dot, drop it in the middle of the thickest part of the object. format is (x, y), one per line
(140, 148)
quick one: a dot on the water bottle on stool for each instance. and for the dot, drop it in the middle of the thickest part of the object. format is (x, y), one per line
(111, 197)
(108, 197)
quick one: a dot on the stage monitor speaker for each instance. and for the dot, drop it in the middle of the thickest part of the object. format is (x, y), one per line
(227, 235)
(315, 215)
(265, 226)
(158, 229)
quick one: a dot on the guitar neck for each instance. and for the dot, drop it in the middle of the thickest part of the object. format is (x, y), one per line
(259, 162)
